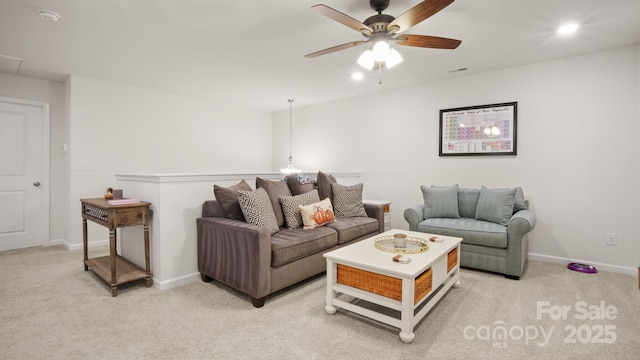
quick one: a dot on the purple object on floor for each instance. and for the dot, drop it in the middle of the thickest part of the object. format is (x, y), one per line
(584, 268)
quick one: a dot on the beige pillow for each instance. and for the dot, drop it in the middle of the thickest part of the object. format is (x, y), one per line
(317, 214)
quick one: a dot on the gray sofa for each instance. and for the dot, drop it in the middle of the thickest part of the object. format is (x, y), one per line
(257, 261)
(493, 224)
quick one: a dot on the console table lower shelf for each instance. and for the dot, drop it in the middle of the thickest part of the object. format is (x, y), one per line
(125, 270)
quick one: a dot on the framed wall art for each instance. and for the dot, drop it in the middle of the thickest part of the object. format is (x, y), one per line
(479, 130)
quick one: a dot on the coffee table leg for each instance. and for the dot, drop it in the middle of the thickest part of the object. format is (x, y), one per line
(329, 308)
(406, 317)
(457, 279)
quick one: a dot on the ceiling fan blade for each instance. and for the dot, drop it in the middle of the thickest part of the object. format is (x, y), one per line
(335, 48)
(433, 42)
(343, 19)
(417, 14)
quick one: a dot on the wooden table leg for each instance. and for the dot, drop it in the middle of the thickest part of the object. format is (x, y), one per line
(146, 255)
(84, 243)
(112, 259)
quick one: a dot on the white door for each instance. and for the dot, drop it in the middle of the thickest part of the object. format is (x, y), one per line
(24, 175)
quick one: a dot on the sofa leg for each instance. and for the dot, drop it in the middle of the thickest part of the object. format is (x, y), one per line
(512, 277)
(205, 278)
(258, 303)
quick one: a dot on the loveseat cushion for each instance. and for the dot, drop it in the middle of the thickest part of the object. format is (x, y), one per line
(353, 228)
(468, 202)
(288, 245)
(472, 231)
(440, 201)
(495, 205)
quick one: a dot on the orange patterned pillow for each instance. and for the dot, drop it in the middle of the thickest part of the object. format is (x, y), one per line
(317, 214)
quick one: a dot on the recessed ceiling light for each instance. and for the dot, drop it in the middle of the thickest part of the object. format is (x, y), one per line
(357, 76)
(49, 15)
(567, 29)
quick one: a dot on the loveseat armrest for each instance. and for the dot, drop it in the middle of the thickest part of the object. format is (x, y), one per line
(414, 216)
(524, 220)
(376, 211)
(235, 253)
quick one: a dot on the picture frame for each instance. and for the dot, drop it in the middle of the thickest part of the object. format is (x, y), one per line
(480, 130)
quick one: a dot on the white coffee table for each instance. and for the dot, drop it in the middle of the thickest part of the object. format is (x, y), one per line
(363, 272)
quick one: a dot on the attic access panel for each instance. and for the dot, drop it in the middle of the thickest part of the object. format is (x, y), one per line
(479, 130)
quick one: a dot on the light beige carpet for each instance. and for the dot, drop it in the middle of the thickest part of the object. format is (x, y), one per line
(51, 309)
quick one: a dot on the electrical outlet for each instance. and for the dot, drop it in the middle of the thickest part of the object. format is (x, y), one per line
(84, 166)
(612, 239)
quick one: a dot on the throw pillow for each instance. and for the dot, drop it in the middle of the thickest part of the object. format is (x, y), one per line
(468, 202)
(495, 205)
(275, 189)
(290, 208)
(518, 202)
(257, 209)
(297, 187)
(317, 214)
(347, 200)
(440, 201)
(324, 185)
(228, 199)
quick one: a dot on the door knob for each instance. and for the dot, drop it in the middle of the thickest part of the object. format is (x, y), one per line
(36, 184)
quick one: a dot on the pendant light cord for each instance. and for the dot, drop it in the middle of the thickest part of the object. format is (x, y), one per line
(290, 130)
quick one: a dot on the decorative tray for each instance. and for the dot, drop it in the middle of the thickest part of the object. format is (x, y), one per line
(414, 245)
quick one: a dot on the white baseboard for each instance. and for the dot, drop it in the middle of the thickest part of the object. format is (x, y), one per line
(71, 247)
(600, 266)
(176, 282)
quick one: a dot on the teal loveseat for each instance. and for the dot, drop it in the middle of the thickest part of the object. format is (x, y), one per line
(493, 224)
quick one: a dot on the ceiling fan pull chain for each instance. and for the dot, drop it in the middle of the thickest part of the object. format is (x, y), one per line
(380, 75)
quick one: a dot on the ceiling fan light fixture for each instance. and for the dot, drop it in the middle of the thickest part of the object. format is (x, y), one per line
(393, 59)
(366, 60)
(380, 50)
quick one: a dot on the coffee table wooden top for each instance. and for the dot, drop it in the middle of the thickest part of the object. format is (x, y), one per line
(365, 255)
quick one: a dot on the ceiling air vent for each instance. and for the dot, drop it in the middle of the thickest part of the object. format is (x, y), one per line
(10, 64)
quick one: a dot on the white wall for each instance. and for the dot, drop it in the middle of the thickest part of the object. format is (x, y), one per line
(578, 156)
(124, 129)
(52, 93)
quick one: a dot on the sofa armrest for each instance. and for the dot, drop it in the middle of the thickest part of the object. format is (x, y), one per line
(414, 215)
(376, 211)
(235, 253)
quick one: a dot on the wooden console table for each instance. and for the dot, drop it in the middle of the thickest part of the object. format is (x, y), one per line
(115, 269)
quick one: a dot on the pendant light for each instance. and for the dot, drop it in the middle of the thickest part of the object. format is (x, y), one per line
(290, 169)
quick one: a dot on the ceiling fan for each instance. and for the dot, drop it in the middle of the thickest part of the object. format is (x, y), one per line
(381, 29)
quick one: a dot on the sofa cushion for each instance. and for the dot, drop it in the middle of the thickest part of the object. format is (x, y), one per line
(228, 199)
(468, 202)
(275, 189)
(347, 200)
(470, 230)
(298, 187)
(440, 202)
(316, 214)
(353, 228)
(292, 216)
(288, 245)
(324, 182)
(257, 209)
(495, 205)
